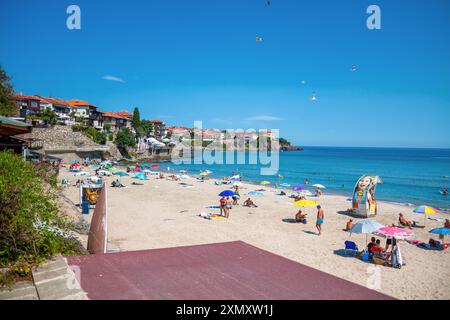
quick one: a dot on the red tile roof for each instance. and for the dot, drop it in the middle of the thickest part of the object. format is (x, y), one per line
(81, 103)
(115, 115)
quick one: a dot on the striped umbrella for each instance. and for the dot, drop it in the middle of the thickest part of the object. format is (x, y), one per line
(425, 210)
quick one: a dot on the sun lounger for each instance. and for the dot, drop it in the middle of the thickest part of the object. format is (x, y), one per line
(290, 220)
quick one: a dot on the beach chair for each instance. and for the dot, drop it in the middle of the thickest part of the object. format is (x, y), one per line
(351, 248)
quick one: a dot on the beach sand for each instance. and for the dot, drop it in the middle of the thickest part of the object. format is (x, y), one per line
(162, 214)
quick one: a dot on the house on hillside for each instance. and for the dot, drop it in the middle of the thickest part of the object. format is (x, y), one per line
(27, 105)
(84, 110)
(61, 107)
(114, 119)
(159, 128)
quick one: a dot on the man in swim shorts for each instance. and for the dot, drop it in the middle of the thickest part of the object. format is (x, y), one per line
(320, 216)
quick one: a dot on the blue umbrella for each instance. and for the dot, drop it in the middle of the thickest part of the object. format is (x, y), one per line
(227, 193)
(440, 231)
(140, 176)
(298, 188)
(120, 173)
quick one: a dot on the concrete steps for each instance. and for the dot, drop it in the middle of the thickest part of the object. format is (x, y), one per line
(20, 291)
(55, 280)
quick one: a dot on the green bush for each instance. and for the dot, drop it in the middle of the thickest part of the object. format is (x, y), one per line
(125, 138)
(110, 137)
(28, 201)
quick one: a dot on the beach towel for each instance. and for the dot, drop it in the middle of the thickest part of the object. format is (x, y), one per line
(213, 207)
(426, 246)
(290, 220)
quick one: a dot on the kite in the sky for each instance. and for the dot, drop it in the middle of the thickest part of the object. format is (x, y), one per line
(259, 39)
(268, 2)
(354, 68)
(313, 96)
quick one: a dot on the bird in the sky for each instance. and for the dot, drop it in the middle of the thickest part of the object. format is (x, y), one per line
(354, 68)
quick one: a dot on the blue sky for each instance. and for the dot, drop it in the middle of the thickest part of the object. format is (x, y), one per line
(183, 60)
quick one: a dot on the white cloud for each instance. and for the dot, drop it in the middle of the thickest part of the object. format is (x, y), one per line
(264, 118)
(113, 78)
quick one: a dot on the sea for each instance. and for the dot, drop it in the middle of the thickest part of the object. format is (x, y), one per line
(409, 176)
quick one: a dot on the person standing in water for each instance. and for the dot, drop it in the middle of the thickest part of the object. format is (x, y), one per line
(320, 216)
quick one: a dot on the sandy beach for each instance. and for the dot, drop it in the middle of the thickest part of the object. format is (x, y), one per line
(162, 213)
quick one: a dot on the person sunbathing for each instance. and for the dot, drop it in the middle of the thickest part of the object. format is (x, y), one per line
(249, 203)
(349, 225)
(404, 222)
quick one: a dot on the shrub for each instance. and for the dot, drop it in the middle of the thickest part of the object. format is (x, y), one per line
(125, 138)
(27, 200)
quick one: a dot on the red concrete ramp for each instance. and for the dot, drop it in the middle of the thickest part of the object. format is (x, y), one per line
(232, 270)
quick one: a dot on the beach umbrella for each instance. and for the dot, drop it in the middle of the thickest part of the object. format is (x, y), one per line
(393, 232)
(203, 174)
(440, 231)
(82, 173)
(121, 173)
(425, 210)
(237, 183)
(183, 171)
(147, 171)
(145, 165)
(227, 193)
(285, 185)
(256, 193)
(366, 227)
(74, 165)
(140, 176)
(155, 166)
(305, 203)
(137, 170)
(298, 188)
(235, 177)
(264, 182)
(319, 186)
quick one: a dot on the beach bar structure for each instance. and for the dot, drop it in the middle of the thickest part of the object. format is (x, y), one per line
(364, 204)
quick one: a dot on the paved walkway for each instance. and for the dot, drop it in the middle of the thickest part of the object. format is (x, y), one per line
(232, 270)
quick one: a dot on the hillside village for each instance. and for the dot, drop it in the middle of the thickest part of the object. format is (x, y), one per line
(66, 128)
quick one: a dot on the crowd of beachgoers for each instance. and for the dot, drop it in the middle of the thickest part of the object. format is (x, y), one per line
(152, 208)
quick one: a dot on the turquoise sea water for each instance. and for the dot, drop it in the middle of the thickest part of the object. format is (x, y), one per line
(412, 176)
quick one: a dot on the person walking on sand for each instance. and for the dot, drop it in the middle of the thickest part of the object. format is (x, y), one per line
(320, 216)
(223, 209)
(229, 205)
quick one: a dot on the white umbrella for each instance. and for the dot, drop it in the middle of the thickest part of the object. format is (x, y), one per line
(366, 227)
(319, 186)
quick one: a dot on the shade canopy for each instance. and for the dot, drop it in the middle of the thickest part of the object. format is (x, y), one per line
(394, 232)
(366, 227)
(227, 193)
(443, 231)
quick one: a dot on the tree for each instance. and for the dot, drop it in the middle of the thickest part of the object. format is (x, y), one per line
(136, 118)
(147, 127)
(125, 138)
(107, 127)
(49, 116)
(7, 104)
